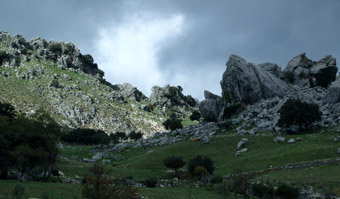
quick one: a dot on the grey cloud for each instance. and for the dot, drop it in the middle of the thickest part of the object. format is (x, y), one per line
(259, 31)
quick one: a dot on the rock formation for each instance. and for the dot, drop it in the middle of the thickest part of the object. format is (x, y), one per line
(170, 99)
(261, 92)
(248, 83)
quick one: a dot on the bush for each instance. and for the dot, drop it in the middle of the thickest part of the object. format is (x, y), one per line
(69, 49)
(7, 110)
(201, 161)
(174, 162)
(302, 114)
(287, 192)
(56, 48)
(227, 96)
(289, 76)
(261, 190)
(195, 116)
(151, 182)
(135, 136)
(190, 100)
(98, 185)
(231, 110)
(239, 184)
(55, 84)
(86, 136)
(172, 124)
(3, 56)
(325, 76)
(210, 118)
(18, 191)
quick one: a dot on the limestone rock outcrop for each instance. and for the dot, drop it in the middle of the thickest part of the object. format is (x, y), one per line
(248, 83)
(303, 72)
(211, 107)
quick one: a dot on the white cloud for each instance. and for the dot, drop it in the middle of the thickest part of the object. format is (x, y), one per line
(127, 52)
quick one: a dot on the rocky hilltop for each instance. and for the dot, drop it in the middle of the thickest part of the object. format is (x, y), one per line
(252, 95)
(58, 78)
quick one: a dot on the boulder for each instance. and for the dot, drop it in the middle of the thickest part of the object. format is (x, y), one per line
(240, 144)
(279, 139)
(131, 92)
(291, 141)
(248, 83)
(211, 107)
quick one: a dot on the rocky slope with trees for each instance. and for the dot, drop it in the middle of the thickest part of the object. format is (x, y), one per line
(56, 77)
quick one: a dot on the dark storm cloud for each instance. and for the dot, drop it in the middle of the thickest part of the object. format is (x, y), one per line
(259, 31)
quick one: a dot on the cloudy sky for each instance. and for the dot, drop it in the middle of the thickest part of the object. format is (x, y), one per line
(179, 42)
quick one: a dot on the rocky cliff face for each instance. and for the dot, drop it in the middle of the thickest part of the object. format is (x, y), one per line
(262, 89)
(170, 100)
(55, 76)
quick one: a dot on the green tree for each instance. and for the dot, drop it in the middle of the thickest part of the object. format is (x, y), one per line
(302, 114)
(174, 162)
(201, 161)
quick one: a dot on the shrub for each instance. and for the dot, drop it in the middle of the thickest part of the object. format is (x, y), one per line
(98, 185)
(69, 49)
(18, 191)
(3, 56)
(227, 96)
(295, 112)
(56, 48)
(135, 136)
(195, 116)
(190, 100)
(7, 110)
(217, 180)
(172, 124)
(55, 83)
(174, 162)
(200, 171)
(210, 118)
(231, 110)
(239, 184)
(88, 59)
(45, 196)
(287, 192)
(86, 136)
(325, 76)
(201, 161)
(151, 182)
(261, 190)
(289, 76)
(150, 106)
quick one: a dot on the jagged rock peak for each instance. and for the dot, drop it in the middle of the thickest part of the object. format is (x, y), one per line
(303, 72)
(64, 54)
(247, 83)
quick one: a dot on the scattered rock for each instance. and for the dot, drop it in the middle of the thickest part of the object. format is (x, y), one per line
(242, 150)
(337, 139)
(240, 144)
(279, 139)
(291, 141)
(86, 160)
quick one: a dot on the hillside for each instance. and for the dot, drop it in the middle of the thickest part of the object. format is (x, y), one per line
(56, 77)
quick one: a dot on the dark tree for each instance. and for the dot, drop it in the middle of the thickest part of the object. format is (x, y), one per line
(174, 162)
(195, 116)
(302, 114)
(7, 110)
(201, 161)
(99, 185)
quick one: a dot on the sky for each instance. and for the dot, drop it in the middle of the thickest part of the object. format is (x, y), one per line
(179, 42)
